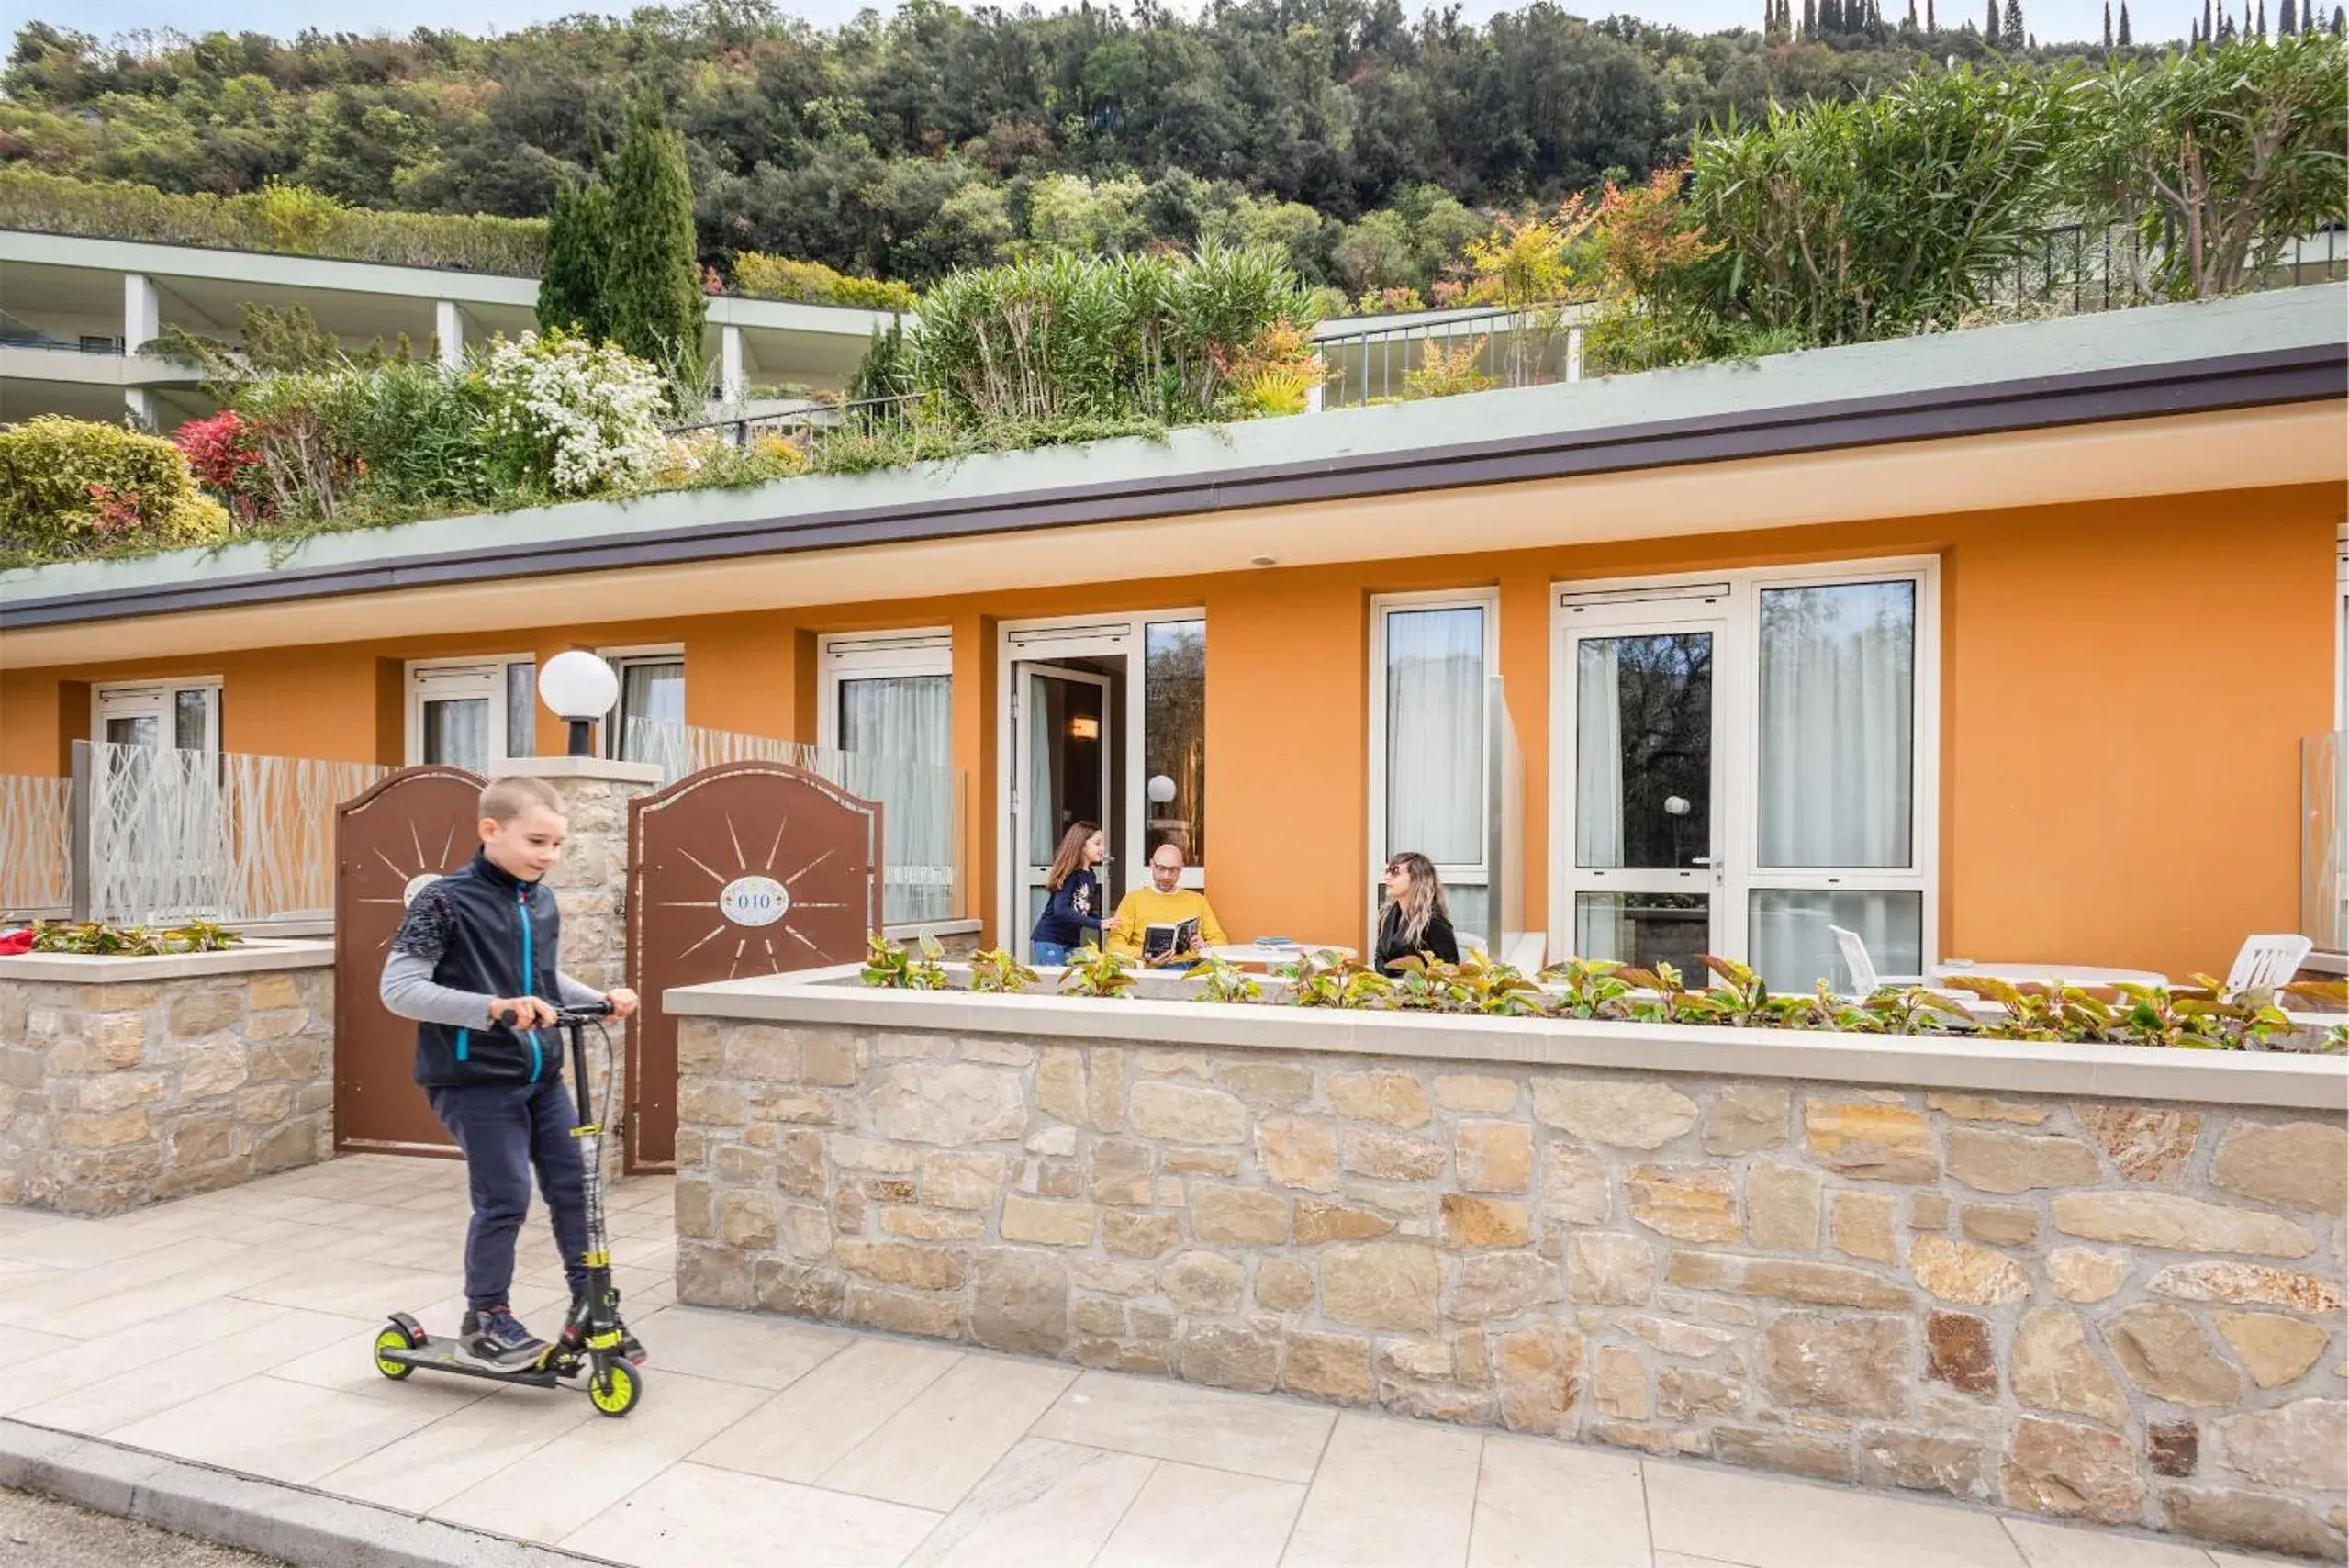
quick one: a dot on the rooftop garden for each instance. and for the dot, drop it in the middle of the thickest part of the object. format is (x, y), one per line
(1900, 214)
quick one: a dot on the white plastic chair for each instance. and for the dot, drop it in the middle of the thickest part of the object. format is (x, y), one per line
(1469, 943)
(1866, 982)
(2267, 963)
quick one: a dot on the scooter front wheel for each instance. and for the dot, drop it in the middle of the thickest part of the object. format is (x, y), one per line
(394, 1337)
(615, 1387)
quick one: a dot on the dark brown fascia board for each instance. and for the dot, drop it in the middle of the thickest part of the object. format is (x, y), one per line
(2309, 373)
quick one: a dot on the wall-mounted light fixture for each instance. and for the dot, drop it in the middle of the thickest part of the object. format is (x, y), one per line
(581, 688)
(1084, 727)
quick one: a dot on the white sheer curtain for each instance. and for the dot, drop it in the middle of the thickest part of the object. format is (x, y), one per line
(1598, 754)
(652, 699)
(1838, 734)
(1435, 718)
(896, 731)
(457, 733)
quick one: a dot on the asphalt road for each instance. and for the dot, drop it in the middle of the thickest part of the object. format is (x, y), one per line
(40, 1532)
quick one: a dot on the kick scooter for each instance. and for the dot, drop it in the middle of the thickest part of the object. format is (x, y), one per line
(593, 1334)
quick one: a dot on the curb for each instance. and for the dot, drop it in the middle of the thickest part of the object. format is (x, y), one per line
(272, 1518)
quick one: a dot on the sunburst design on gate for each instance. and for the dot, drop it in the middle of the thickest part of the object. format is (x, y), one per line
(420, 873)
(754, 898)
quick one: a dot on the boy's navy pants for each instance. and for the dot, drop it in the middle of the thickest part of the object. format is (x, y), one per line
(504, 1129)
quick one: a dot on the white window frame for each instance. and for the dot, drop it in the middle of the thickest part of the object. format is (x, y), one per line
(2341, 629)
(491, 666)
(1041, 641)
(1488, 599)
(1736, 688)
(615, 725)
(130, 699)
(874, 656)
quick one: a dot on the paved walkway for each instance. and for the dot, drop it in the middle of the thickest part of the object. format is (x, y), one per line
(234, 1329)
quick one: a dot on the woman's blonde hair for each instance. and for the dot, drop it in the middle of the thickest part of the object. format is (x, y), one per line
(1422, 900)
(1069, 858)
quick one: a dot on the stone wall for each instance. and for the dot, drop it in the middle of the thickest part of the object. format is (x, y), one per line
(116, 1094)
(2111, 1310)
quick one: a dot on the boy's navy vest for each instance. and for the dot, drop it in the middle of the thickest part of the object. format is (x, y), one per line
(501, 942)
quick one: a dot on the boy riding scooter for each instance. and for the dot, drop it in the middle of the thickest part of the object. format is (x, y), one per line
(475, 964)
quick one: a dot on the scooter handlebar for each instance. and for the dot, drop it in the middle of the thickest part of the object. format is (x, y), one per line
(563, 1015)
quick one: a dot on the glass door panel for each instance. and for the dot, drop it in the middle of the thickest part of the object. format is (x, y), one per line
(1061, 757)
(1645, 767)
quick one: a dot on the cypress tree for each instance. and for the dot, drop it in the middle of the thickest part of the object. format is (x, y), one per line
(2259, 27)
(2108, 24)
(1810, 19)
(2287, 20)
(2207, 33)
(1990, 22)
(579, 245)
(2123, 34)
(1932, 24)
(2340, 21)
(1912, 14)
(2010, 29)
(654, 287)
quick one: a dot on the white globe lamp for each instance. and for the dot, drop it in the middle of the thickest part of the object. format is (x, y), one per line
(1161, 788)
(581, 688)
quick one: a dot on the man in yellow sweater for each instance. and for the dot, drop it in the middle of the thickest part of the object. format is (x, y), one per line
(1165, 902)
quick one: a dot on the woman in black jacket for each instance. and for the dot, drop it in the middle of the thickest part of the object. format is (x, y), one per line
(1414, 923)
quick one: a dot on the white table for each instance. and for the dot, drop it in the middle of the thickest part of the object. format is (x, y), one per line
(1250, 953)
(2047, 974)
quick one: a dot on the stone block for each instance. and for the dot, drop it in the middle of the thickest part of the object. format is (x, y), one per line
(900, 1312)
(2143, 1143)
(1992, 1162)
(265, 1102)
(897, 1263)
(1048, 1224)
(1609, 1268)
(2248, 1284)
(1619, 1383)
(2055, 1369)
(1121, 1171)
(1685, 1393)
(828, 1061)
(2070, 1471)
(802, 1290)
(1224, 1355)
(2173, 1448)
(1675, 1337)
(1183, 1112)
(279, 1024)
(1819, 1284)
(2274, 1348)
(1860, 1225)
(746, 1220)
(1499, 1285)
(1018, 1303)
(2000, 1225)
(1922, 1461)
(759, 1053)
(1318, 1222)
(1393, 1157)
(1782, 1208)
(276, 1059)
(195, 1013)
(104, 1132)
(109, 1043)
(1105, 1088)
(962, 1180)
(1131, 1235)
(2296, 1165)
(106, 1093)
(1283, 1286)
(200, 1140)
(1869, 1140)
(1060, 1084)
(1985, 1108)
(1238, 1217)
(1848, 1365)
(1620, 1113)
(1747, 1118)
(1394, 1098)
(1954, 1271)
(2304, 1444)
(1329, 1366)
(1790, 1452)
(1475, 1222)
(1494, 1156)
(946, 1104)
(2165, 1352)
(1958, 1352)
(1574, 1186)
(712, 1275)
(1204, 1282)
(1474, 1094)
(2179, 1225)
(1537, 1370)
(1381, 1284)
(2084, 1275)
(2255, 1521)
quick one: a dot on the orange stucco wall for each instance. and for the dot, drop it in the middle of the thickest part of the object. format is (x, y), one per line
(2124, 688)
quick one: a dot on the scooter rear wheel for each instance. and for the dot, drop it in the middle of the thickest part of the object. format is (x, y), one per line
(393, 1339)
(616, 1389)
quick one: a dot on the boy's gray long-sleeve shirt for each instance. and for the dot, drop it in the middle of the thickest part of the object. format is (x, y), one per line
(409, 991)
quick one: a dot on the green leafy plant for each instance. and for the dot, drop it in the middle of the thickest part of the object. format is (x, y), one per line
(998, 971)
(890, 966)
(1097, 972)
(1425, 984)
(1220, 979)
(1672, 1001)
(1497, 990)
(71, 487)
(2073, 1014)
(763, 276)
(1330, 979)
(97, 938)
(1589, 988)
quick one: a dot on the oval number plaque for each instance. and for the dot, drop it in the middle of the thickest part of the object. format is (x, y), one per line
(416, 884)
(755, 901)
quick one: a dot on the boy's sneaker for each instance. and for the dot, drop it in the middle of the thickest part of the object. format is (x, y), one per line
(492, 1337)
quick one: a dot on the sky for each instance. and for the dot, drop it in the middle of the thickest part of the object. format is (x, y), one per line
(2051, 20)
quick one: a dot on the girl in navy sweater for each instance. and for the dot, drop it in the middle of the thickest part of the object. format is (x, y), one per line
(1072, 919)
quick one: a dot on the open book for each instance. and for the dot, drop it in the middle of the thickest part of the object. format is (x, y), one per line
(1158, 941)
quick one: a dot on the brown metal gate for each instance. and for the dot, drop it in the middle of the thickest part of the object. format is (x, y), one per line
(389, 845)
(745, 869)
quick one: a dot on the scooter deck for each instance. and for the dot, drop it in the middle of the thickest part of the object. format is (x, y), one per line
(440, 1356)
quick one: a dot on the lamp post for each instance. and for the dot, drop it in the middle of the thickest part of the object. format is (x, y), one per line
(581, 688)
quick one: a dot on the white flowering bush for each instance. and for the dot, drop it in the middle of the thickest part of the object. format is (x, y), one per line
(572, 416)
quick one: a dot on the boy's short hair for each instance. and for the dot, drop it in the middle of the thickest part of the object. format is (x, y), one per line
(507, 798)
